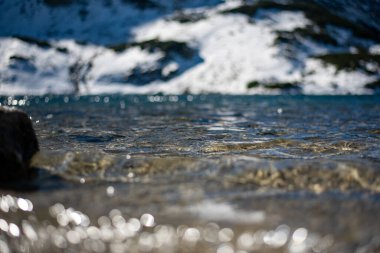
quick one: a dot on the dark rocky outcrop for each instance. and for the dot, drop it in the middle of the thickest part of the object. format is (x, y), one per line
(321, 16)
(18, 143)
(284, 86)
(177, 52)
(352, 62)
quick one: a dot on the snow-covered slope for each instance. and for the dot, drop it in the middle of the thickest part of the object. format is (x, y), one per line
(52, 46)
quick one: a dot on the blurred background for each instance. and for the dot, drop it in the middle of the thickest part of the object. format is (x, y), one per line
(176, 47)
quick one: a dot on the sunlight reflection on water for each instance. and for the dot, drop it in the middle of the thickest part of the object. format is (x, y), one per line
(226, 174)
(72, 230)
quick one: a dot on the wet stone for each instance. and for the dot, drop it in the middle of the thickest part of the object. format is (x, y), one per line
(18, 143)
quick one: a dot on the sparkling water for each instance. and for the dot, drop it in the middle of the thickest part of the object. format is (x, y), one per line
(198, 173)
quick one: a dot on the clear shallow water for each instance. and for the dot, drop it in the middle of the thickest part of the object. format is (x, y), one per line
(214, 173)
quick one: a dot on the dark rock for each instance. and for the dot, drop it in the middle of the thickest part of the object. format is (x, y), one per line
(18, 143)
(373, 85)
(21, 63)
(180, 53)
(34, 41)
(274, 85)
(142, 4)
(58, 3)
(320, 15)
(352, 62)
(184, 17)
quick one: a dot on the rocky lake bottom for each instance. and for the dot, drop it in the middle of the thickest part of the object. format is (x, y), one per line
(198, 173)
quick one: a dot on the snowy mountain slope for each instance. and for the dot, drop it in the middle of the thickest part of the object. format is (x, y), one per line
(184, 46)
(99, 22)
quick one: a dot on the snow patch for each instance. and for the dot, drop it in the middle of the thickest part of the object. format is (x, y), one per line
(325, 79)
(282, 20)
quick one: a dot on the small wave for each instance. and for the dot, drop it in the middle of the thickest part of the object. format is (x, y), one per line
(316, 175)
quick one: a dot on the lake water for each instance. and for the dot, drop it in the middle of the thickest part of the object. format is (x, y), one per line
(207, 173)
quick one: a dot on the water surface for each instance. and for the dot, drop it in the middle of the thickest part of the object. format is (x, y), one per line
(207, 173)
